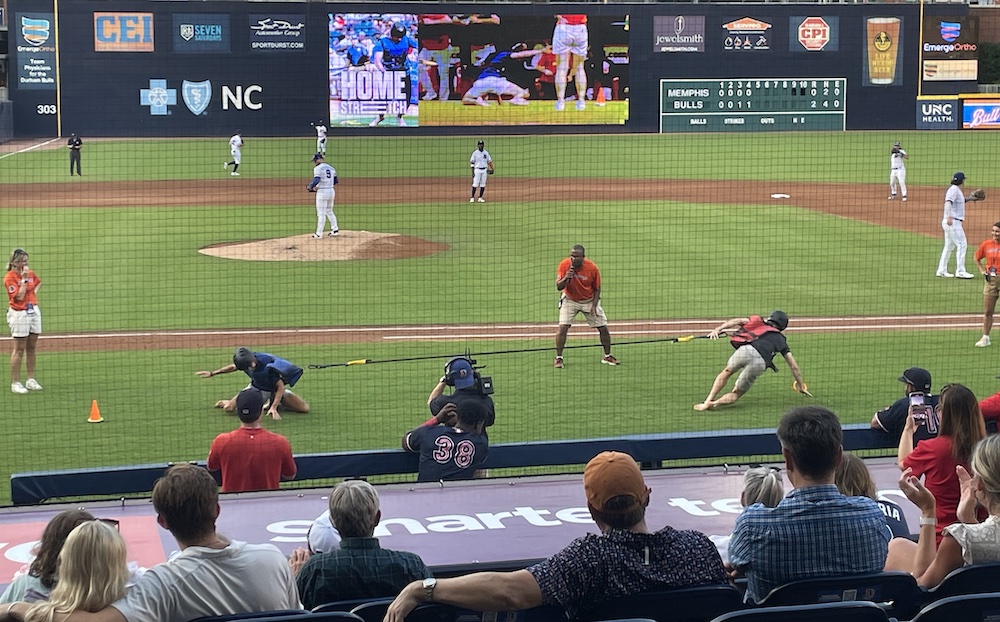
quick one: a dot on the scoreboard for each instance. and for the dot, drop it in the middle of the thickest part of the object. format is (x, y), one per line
(753, 105)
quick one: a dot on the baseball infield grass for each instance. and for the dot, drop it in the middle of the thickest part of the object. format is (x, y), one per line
(138, 268)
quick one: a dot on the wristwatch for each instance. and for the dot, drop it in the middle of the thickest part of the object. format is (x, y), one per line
(429, 584)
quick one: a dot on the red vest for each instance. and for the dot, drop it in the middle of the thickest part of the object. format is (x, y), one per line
(751, 331)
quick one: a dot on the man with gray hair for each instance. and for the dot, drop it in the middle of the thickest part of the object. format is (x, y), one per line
(360, 568)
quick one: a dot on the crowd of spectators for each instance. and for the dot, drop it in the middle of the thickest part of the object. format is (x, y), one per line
(831, 523)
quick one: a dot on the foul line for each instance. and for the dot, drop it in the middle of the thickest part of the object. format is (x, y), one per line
(26, 149)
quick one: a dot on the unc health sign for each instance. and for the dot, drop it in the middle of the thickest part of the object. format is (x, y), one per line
(678, 33)
(277, 32)
(937, 114)
(36, 51)
(201, 33)
(813, 33)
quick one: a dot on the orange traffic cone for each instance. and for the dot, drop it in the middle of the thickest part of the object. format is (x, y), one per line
(95, 413)
(600, 100)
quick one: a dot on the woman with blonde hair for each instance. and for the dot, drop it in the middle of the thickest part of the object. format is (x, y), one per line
(855, 480)
(964, 543)
(761, 484)
(935, 459)
(35, 582)
(92, 573)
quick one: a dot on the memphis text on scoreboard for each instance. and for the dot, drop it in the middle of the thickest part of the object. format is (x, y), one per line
(372, 92)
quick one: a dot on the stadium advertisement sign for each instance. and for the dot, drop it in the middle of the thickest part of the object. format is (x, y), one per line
(201, 33)
(123, 32)
(937, 114)
(882, 51)
(277, 32)
(981, 114)
(35, 51)
(813, 34)
(678, 33)
(475, 70)
(951, 38)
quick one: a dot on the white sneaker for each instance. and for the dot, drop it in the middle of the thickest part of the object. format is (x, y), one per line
(17, 387)
(429, 96)
(581, 105)
(892, 196)
(225, 166)
(481, 200)
(472, 200)
(946, 275)
(235, 174)
(560, 104)
(376, 121)
(32, 384)
(316, 236)
(334, 234)
(904, 199)
(983, 342)
(963, 275)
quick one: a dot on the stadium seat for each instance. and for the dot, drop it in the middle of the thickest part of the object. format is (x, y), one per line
(445, 571)
(974, 579)
(305, 616)
(350, 605)
(278, 613)
(972, 607)
(437, 612)
(895, 592)
(692, 604)
(860, 611)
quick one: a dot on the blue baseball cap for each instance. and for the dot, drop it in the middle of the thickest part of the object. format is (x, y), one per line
(318, 156)
(958, 178)
(461, 373)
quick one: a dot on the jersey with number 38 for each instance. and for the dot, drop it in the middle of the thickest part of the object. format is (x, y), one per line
(447, 453)
(326, 174)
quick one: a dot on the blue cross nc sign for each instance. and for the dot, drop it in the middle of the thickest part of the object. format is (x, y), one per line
(158, 97)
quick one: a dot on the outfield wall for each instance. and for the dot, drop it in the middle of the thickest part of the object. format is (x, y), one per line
(147, 69)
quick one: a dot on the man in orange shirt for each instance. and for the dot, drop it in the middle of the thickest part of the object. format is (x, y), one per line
(990, 251)
(579, 280)
(250, 457)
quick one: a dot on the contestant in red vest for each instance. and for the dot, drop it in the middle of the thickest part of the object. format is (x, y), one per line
(756, 343)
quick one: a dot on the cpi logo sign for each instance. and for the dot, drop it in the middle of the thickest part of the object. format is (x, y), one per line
(814, 33)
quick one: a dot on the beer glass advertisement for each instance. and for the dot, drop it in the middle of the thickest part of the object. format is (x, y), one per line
(402, 70)
(883, 52)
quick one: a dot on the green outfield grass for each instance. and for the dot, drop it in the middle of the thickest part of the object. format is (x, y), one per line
(138, 268)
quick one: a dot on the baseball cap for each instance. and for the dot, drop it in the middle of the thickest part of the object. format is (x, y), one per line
(318, 156)
(958, 177)
(612, 474)
(917, 376)
(249, 403)
(322, 536)
(461, 374)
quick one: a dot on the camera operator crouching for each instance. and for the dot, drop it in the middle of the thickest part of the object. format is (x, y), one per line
(469, 385)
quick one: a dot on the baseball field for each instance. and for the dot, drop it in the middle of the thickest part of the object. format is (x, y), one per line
(156, 263)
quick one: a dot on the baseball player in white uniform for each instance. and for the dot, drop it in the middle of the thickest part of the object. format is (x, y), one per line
(570, 41)
(235, 148)
(954, 234)
(897, 171)
(481, 164)
(324, 179)
(320, 137)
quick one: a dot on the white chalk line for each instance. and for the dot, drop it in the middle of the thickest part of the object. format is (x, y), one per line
(26, 149)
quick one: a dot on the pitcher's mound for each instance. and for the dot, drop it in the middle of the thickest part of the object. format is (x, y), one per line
(349, 245)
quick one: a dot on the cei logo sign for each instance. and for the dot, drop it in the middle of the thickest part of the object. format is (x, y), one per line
(123, 32)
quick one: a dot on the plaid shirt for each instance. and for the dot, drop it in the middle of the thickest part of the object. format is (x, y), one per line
(594, 569)
(814, 532)
(360, 568)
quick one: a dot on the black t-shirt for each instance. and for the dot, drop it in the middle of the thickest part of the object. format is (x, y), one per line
(893, 419)
(446, 453)
(459, 396)
(894, 518)
(768, 345)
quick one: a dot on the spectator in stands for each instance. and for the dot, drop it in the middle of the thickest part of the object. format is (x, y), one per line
(250, 457)
(35, 582)
(793, 540)
(965, 542)
(92, 573)
(458, 373)
(212, 575)
(625, 559)
(935, 459)
(892, 418)
(451, 452)
(360, 568)
(761, 484)
(855, 480)
(990, 407)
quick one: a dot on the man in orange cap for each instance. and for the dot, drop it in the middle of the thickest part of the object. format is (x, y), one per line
(625, 559)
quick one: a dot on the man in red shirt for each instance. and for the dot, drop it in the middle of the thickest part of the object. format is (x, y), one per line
(990, 251)
(579, 280)
(250, 457)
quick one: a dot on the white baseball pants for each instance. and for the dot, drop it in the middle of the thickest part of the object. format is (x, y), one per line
(954, 240)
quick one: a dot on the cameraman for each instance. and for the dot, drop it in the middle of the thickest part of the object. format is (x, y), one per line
(892, 419)
(458, 372)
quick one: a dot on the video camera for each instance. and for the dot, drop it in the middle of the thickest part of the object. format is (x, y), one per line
(483, 384)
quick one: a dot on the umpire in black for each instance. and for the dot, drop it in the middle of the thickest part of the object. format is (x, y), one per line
(74, 143)
(458, 373)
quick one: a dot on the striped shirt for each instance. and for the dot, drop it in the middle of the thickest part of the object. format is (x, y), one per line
(814, 532)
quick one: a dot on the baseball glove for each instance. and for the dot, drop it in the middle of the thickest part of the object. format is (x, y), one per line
(490, 172)
(978, 194)
(801, 388)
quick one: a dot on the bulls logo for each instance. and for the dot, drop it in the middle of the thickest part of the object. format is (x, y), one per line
(196, 95)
